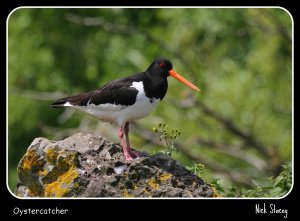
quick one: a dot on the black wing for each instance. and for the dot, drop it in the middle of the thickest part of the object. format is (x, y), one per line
(118, 92)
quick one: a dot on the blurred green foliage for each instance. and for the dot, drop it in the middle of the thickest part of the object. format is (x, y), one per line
(239, 126)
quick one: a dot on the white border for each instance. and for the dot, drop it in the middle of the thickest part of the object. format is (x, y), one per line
(164, 198)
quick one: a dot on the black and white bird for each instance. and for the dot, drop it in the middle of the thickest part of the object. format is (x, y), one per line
(128, 99)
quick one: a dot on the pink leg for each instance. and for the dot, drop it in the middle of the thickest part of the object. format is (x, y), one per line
(125, 151)
(131, 152)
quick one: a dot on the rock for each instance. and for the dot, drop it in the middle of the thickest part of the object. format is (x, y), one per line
(84, 165)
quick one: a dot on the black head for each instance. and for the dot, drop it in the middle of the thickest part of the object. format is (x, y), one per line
(160, 66)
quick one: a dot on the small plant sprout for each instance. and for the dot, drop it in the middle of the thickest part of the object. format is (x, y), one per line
(197, 169)
(169, 136)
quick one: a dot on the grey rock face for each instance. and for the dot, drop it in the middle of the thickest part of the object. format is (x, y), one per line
(84, 165)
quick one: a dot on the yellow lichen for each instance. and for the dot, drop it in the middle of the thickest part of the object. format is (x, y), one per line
(42, 172)
(51, 155)
(65, 161)
(55, 190)
(69, 176)
(62, 185)
(71, 159)
(126, 194)
(34, 191)
(30, 160)
(56, 182)
(147, 192)
(215, 193)
(165, 176)
(30, 165)
(152, 183)
(135, 187)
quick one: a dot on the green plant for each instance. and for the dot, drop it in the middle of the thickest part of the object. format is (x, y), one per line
(169, 136)
(215, 184)
(271, 187)
(197, 169)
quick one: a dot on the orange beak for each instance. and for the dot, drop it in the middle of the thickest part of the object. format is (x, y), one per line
(183, 80)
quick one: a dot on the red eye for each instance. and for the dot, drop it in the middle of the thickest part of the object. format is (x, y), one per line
(162, 65)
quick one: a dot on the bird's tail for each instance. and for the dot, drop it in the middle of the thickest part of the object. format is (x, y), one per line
(78, 99)
(59, 103)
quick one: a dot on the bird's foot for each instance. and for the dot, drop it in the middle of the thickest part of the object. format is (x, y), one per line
(127, 156)
(134, 154)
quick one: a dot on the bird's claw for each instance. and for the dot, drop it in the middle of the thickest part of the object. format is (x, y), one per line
(134, 154)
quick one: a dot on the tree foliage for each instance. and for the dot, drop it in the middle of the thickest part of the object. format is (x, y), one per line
(239, 126)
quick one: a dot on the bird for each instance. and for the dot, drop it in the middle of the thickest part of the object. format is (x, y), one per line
(128, 99)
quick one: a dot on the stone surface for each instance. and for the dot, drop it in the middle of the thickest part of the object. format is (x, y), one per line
(84, 165)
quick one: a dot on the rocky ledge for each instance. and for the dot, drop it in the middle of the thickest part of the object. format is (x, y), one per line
(84, 165)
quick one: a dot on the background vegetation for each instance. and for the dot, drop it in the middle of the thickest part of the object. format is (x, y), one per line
(239, 126)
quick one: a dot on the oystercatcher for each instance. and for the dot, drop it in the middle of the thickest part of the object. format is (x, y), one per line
(125, 100)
